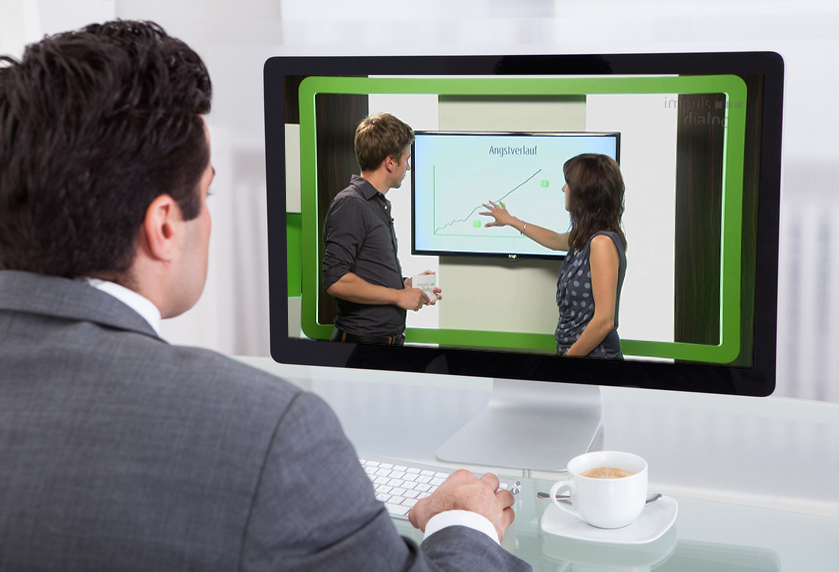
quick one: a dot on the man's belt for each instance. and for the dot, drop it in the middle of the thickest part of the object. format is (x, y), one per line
(339, 335)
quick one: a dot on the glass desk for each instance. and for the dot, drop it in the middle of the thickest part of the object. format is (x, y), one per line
(756, 480)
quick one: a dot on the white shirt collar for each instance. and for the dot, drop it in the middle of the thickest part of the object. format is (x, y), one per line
(130, 298)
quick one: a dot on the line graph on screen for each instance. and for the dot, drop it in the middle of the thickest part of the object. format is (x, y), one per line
(459, 199)
(470, 216)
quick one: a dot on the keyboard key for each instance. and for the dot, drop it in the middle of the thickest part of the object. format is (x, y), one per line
(397, 510)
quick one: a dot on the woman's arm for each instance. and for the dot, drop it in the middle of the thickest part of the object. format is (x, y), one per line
(544, 236)
(605, 265)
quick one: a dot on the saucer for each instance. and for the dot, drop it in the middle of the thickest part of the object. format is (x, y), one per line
(582, 555)
(655, 520)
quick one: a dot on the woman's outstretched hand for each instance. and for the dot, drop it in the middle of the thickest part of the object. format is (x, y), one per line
(499, 213)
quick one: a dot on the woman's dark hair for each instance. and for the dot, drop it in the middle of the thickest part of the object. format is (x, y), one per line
(595, 201)
(94, 125)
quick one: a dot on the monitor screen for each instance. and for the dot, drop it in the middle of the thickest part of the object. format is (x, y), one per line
(453, 174)
(699, 150)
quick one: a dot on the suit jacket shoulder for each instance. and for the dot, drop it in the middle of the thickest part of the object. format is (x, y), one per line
(123, 452)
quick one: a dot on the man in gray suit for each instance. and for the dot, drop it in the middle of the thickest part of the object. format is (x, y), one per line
(119, 451)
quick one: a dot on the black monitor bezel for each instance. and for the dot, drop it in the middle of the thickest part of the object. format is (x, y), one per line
(757, 380)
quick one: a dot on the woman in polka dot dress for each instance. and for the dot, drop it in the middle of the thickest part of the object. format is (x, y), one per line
(591, 277)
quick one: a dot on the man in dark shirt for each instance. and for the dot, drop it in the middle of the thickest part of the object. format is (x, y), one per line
(360, 265)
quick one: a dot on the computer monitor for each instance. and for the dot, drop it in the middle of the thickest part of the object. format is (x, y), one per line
(700, 151)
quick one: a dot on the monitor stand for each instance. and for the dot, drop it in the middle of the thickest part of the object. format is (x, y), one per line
(529, 425)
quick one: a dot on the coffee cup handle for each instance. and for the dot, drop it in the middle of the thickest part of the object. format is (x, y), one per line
(559, 487)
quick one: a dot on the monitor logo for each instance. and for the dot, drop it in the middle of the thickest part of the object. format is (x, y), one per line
(702, 110)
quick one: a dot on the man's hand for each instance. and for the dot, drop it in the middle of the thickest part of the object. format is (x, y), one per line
(464, 491)
(436, 291)
(412, 299)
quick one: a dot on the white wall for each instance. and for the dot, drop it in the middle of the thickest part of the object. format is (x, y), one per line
(648, 163)
(236, 37)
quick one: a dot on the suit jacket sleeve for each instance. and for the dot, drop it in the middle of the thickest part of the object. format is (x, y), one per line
(314, 509)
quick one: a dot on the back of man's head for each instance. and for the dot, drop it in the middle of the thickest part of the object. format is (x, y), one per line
(94, 125)
(381, 136)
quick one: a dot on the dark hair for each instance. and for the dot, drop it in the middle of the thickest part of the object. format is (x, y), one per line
(379, 137)
(94, 125)
(595, 201)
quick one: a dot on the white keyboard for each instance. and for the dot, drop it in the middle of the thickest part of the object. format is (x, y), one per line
(400, 484)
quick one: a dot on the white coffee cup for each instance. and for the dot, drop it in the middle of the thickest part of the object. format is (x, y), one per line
(604, 502)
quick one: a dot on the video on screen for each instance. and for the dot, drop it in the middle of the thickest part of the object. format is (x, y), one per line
(690, 189)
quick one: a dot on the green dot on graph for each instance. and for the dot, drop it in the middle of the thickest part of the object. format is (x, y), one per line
(476, 223)
(545, 183)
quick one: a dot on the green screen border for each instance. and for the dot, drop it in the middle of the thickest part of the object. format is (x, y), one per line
(732, 86)
(294, 246)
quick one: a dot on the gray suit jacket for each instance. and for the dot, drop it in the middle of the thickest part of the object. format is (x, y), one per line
(119, 451)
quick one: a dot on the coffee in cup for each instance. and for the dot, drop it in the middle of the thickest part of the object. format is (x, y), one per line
(607, 473)
(608, 489)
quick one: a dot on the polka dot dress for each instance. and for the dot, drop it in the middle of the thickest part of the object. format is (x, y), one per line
(576, 303)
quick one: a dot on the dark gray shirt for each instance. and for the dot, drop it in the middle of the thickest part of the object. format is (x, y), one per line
(576, 302)
(359, 238)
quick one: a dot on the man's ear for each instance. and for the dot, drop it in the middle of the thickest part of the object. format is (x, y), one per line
(159, 228)
(390, 163)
